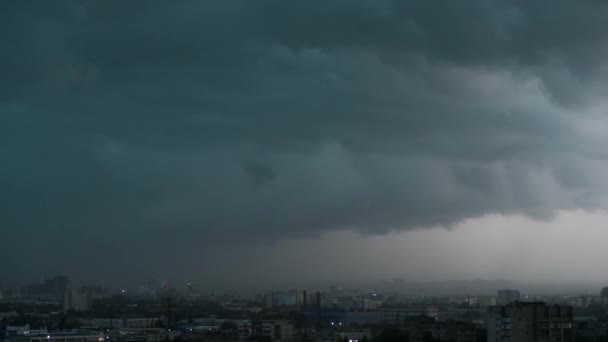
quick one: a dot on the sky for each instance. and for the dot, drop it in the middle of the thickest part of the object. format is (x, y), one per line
(257, 143)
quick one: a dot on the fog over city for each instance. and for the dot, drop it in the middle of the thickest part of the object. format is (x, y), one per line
(250, 144)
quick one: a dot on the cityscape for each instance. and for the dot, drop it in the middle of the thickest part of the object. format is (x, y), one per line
(303, 170)
(60, 310)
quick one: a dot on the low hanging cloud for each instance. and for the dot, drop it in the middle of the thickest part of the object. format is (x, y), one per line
(240, 121)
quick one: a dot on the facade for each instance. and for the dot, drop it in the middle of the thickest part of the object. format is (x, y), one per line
(530, 322)
(280, 298)
(77, 301)
(604, 295)
(455, 331)
(504, 297)
(278, 330)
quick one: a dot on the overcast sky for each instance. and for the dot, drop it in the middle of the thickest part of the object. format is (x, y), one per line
(254, 142)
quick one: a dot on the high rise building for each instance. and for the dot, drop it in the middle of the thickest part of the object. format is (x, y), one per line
(77, 301)
(504, 297)
(530, 322)
(604, 295)
(51, 289)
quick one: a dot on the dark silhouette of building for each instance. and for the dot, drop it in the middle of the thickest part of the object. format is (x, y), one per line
(604, 295)
(51, 289)
(530, 322)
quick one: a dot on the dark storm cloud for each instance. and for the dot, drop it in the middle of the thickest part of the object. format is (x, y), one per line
(123, 122)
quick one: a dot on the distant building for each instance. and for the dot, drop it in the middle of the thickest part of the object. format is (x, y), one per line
(277, 330)
(486, 301)
(77, 301)
(280, 330)
(604, 295)
(96, 291)
(579, 301)
(280, 298)
(398, 315)
(504, 297)
(530, 322)
(8, 314)
(142, 335)
(455, 331)
(371, 304)
(13, 331)
(25, 334)
(51, 289)
(70, 336)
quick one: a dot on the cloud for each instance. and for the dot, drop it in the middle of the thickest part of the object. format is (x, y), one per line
(121, 121)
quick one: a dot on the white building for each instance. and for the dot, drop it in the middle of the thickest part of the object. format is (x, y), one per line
(77, 301)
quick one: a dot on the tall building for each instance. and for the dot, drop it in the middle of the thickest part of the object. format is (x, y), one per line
(285, 298)
(77, 301)
(604, 295)
(51, 289)
(504, 297)
(530, 322)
